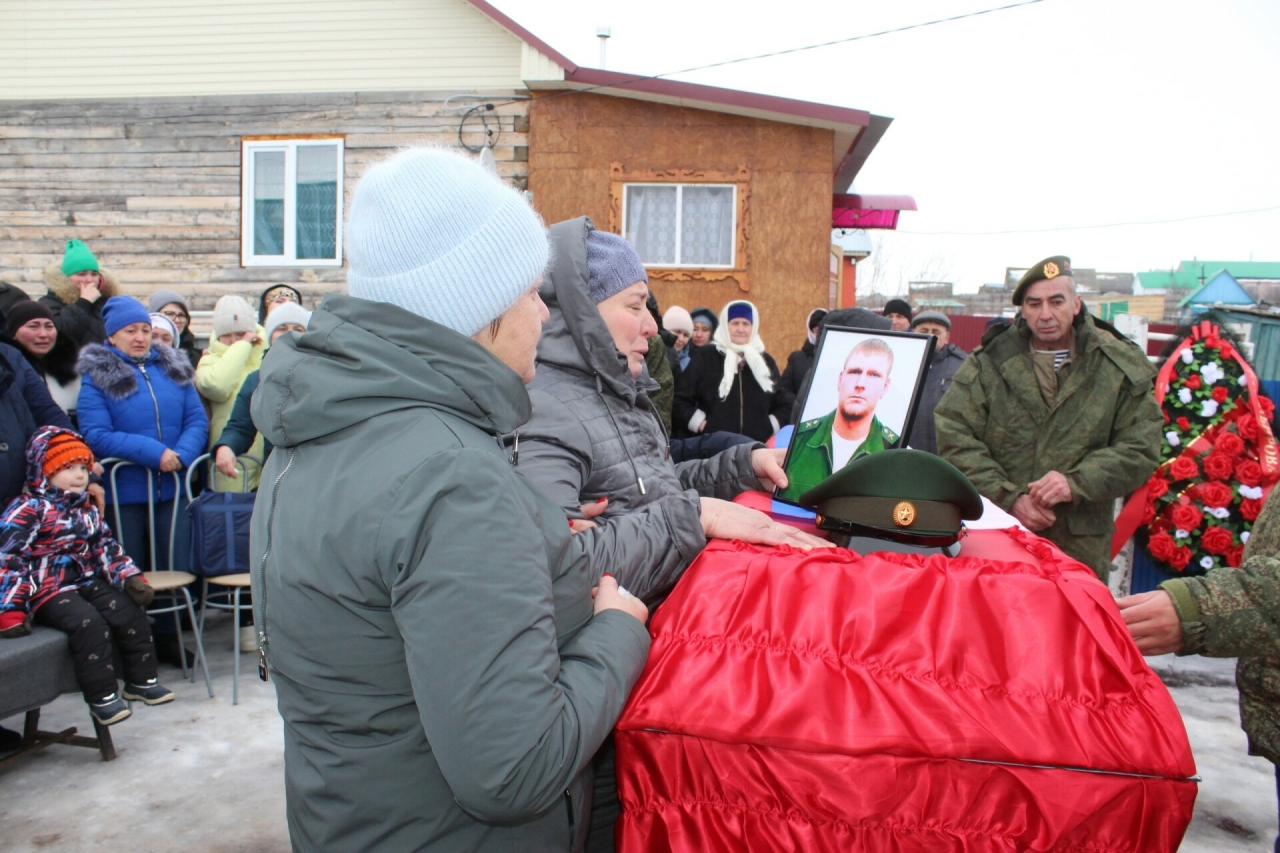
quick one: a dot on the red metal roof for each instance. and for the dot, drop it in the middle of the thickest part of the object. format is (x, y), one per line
(868, 211)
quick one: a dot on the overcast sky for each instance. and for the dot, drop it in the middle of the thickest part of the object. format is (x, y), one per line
(1064, 114)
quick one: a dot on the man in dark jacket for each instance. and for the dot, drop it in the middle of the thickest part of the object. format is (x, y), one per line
(1054, 417)
(947, 358)
(800, 362)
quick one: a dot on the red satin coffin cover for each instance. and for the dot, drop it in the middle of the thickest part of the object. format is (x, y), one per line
(896, 702)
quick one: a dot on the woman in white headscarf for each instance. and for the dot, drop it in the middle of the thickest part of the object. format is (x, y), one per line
(732, 385)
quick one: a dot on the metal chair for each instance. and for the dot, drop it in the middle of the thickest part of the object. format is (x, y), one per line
(230, 584)
(167, 583)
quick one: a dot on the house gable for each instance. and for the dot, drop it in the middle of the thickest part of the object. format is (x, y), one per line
(155, 48)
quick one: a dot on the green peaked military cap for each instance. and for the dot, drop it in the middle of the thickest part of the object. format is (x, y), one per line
(905, 495)
(1046, 269)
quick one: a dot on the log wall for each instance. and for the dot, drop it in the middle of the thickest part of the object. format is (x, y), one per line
(153, 185)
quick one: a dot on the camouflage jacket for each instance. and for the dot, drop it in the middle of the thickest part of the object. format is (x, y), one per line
(1103, 431)
(811, 457)
(1236, 612)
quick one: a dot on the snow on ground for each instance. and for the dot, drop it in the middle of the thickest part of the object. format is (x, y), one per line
(201, 774)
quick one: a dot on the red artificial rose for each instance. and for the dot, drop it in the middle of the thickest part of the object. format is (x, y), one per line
(1187, 517)
(1183, 424)
(1213, 342)
(1180, 558)
(1217, 540)
(1234, 556)
(1157, 488)
(1229, 444)
(1218, 466)
(1227, 350)
(1249, 472)
(1161, 547)
(1184, 468)
(1166, 415)
(1221, 393)
(1268, 407)
(1214, 494)
(1247, 425)
(1149, 515)
(1249, 508)
(1193, 382)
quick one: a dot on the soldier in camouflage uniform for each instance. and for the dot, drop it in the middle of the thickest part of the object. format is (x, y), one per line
(1054, 417)
(1227, 613)
(820, 442)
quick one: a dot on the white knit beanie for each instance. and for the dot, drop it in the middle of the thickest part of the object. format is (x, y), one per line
(233, 314)
(289, 312)
(434, 233)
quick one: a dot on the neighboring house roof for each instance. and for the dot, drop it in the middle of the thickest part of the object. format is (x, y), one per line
(1187, 275)
(1222, 289)
(856, 132)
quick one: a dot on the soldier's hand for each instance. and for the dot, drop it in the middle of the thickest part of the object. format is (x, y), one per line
(1032, 515)
(728, 520)
(1051, 489)
(767, 463)
(1152, 621)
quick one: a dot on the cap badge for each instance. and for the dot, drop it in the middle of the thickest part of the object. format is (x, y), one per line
(904, 514)
(1051, 270)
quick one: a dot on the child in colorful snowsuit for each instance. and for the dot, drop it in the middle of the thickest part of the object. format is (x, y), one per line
(60, 565)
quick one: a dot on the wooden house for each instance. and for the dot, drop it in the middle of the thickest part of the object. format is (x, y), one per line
(214, 148)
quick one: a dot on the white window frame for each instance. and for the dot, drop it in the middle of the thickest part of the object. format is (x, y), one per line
(733, 250)
(290, 146)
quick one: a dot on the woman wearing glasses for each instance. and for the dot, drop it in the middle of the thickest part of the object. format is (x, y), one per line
(171, 304)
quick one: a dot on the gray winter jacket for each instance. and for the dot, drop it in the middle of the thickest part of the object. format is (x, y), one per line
(594, 434)
(427, 615)
(942, 368)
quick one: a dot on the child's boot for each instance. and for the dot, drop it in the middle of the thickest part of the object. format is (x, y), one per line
(110, 709)
(151, 692)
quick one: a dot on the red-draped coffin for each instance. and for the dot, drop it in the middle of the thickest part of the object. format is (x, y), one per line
(893, 702)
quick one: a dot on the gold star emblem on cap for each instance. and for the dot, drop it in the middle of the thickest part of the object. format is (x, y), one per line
(1051, 270)
(904, 514)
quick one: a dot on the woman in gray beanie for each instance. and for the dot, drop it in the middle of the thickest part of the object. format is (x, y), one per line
(442, 667)
(595, 439)
(171, 304)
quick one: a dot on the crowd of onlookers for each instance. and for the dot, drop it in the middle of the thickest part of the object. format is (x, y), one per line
(130, 378)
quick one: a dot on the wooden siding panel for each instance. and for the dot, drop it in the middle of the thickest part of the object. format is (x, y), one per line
(145, 48)
(573, 141)
(158, 199)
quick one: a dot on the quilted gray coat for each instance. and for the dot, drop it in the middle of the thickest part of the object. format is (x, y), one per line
(594, 433)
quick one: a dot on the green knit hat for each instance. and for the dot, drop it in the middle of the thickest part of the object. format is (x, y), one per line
(78, 259)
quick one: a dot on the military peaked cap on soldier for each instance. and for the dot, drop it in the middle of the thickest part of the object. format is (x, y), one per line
(1046, 269)
(906, 496)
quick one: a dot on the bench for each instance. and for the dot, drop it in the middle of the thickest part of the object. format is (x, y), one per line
(34, 671)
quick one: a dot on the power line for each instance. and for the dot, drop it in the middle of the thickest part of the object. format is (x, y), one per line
(639, 78)
(1090, 227)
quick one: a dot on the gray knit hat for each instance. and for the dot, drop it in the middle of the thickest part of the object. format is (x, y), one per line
(161, 298)
(612, 265)
(233, 314)
(931, 317)
(434, 233)
(289, 312)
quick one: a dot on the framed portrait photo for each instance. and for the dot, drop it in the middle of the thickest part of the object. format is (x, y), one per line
(862, 399)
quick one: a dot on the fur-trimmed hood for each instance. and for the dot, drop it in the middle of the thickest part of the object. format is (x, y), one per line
(116, 373)
(60, 285)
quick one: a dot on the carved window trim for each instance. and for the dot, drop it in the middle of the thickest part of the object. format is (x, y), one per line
(619, 177)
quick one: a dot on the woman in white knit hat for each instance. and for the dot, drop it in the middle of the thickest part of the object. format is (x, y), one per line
(442, 667)
(235, 350)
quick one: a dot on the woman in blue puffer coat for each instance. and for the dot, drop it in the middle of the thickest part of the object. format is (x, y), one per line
(138, 402)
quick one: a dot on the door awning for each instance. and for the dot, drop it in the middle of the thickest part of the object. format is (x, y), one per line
(868, 211)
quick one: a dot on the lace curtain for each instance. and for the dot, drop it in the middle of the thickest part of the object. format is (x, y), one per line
(317, 201)
(706, 226)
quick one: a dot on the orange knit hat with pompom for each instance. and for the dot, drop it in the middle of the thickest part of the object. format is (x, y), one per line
(63, 451)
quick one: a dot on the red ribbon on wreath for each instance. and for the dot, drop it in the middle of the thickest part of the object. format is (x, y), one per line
(1130, 517)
